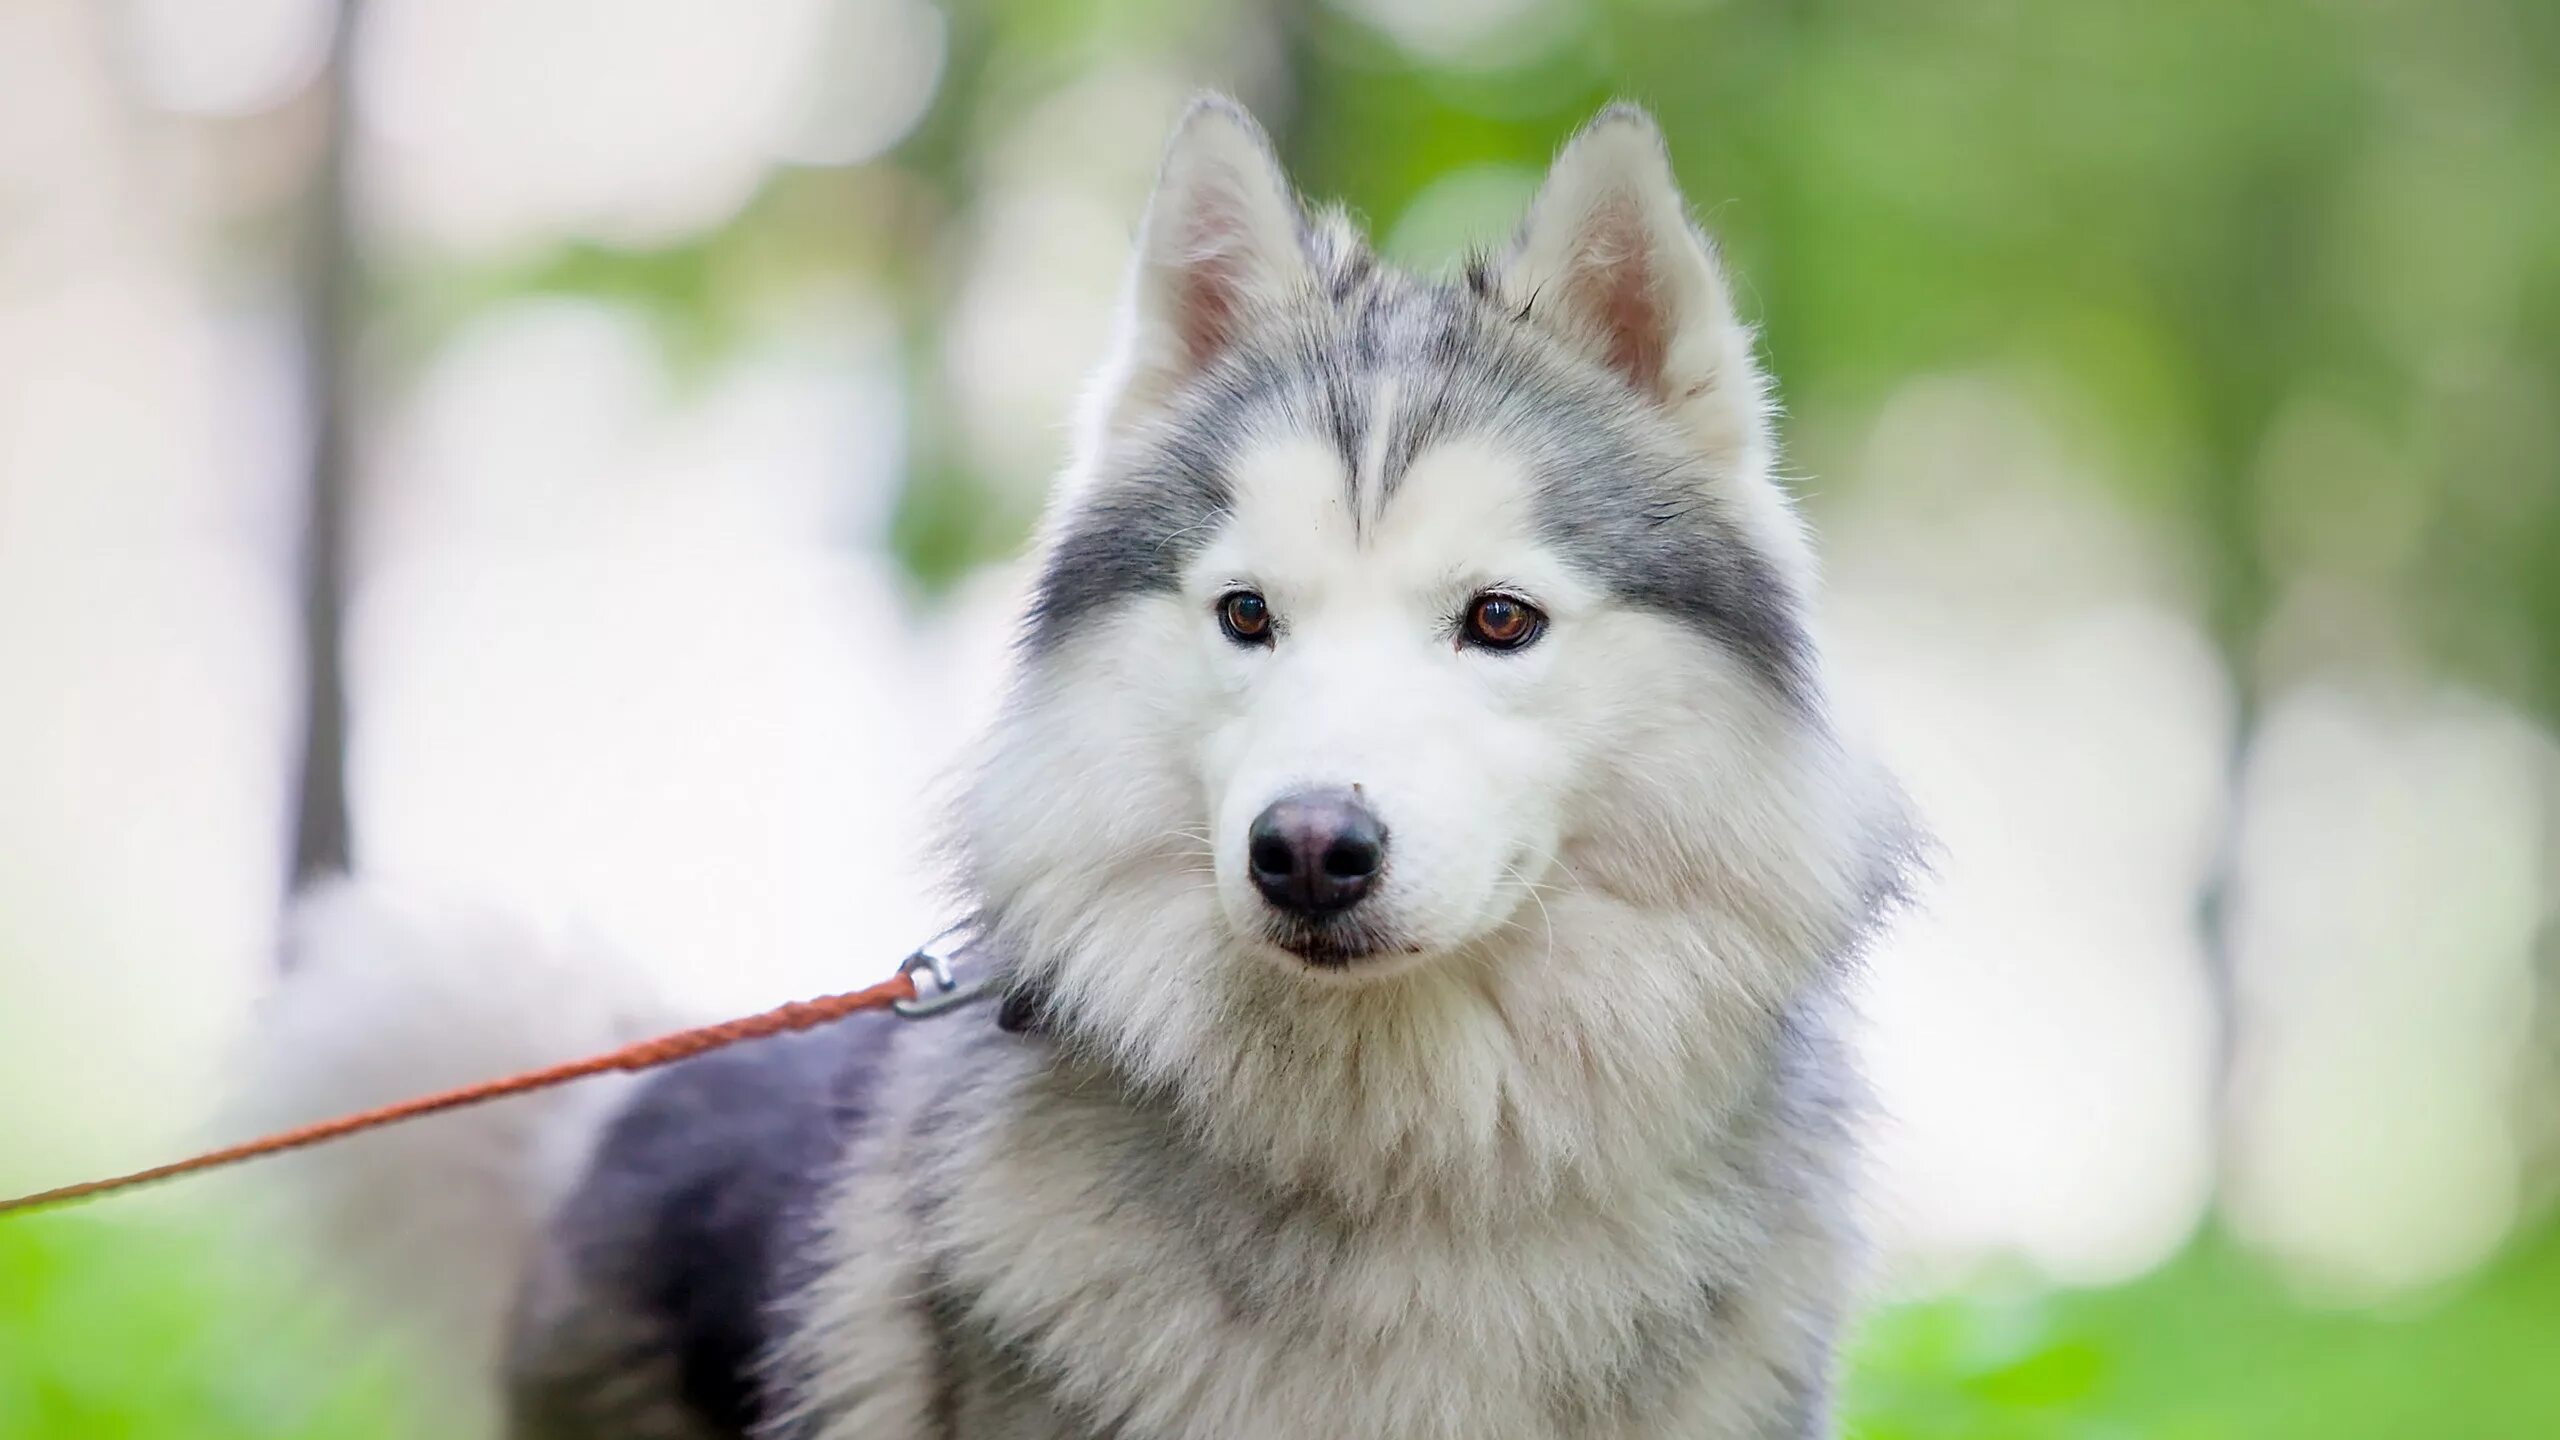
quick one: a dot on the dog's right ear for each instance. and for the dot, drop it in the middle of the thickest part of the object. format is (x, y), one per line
(1223, 237)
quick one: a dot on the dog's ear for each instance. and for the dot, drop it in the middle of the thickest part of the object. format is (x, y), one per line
(1223, 236)
(1609, 261)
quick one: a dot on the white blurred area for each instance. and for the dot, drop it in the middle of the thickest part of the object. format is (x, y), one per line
(499, 124)
(2392, 883)
(1032, 313)
(617, 665)
(629, 649)
(2041, 1028)
(147, 434)
(1470, 34)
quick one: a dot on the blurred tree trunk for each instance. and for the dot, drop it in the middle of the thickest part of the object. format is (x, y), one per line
(320, 836)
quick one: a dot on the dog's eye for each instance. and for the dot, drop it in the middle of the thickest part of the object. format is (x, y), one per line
(1501, 622)
(1246, 617)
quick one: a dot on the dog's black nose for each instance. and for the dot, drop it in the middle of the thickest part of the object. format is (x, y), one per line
(1315, 852)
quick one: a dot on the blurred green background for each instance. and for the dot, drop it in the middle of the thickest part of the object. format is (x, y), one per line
(2275, 286)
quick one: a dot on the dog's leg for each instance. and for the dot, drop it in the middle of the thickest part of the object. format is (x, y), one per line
(586, 1366)
(869, 1359)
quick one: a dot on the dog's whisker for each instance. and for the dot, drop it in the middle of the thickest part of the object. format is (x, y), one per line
(1548, 916)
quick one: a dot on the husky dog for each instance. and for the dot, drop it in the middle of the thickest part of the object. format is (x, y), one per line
(1423, 879)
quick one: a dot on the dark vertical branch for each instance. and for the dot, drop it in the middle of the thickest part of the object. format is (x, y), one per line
(2221, 962)
(320, 835)
(1284, 115)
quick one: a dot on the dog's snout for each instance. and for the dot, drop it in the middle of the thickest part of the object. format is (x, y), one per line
(1316, 852)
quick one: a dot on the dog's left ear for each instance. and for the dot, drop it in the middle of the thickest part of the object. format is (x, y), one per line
(1609, 260)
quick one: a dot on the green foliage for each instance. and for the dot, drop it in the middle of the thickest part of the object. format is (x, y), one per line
(2214, 1347)
(2178, 223)
(114, 1331)
(2177, 226)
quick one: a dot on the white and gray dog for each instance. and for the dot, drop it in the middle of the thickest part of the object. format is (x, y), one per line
(1423, 877)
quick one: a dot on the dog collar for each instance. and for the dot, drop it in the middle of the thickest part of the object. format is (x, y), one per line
(947, 974)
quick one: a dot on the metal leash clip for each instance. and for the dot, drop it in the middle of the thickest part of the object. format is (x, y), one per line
(939, 986)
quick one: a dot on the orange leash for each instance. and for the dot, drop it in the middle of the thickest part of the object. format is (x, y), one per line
(645, 1055)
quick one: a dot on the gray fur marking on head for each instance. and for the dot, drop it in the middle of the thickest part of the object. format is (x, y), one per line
(1618, 493)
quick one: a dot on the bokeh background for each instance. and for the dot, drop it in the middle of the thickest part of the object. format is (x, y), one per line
(2177, 388)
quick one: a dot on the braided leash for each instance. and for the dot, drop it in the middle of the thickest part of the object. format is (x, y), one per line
(939, 991)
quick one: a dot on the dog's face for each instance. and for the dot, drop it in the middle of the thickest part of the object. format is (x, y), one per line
(1387, 686)
(1378, 612)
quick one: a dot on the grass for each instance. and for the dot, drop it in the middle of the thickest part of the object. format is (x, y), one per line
(121, 1331)
(2213, 1347)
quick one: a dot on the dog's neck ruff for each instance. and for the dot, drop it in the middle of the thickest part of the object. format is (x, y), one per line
(1470, 1087)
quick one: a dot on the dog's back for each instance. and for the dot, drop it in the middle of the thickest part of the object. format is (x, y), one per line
(424, 1228)
(598, 1260)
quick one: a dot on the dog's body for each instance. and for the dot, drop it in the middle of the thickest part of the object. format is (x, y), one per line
(1424, 880)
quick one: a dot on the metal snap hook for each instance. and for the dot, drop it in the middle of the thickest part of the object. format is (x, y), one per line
(939, 985)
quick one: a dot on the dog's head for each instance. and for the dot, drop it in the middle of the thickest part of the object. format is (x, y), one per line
(1382, 616)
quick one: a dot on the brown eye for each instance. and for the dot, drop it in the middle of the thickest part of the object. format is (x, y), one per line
(1246, 617)
(1501, 622)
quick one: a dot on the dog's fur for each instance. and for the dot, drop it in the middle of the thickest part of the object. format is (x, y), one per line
(1552, 1138)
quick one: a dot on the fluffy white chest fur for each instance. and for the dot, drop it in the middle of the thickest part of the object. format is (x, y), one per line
(1149, 1281)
